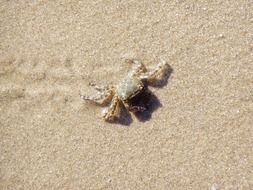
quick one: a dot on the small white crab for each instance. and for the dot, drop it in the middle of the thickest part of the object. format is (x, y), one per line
(130, 87)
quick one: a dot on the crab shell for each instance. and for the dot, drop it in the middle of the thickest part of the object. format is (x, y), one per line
(129, 88)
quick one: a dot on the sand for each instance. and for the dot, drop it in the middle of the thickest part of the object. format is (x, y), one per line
(200, 137)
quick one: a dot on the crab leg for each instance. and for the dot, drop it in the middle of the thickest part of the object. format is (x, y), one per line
(157, 74)
(137, 109)
(102, 99)
(138, 67)
(109, 113)
(101, 88)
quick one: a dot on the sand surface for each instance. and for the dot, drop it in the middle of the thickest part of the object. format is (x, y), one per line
(199, 138)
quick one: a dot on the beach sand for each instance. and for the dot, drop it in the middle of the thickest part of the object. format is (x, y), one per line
(200, 137)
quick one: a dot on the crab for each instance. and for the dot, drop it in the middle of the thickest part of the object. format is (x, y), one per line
(123, 94)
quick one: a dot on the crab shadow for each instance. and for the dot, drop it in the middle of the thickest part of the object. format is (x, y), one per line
(148, 100)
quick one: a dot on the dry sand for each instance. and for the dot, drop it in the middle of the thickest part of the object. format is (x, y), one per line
(201, 136)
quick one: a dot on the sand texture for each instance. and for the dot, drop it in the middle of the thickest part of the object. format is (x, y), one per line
(199, 131)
